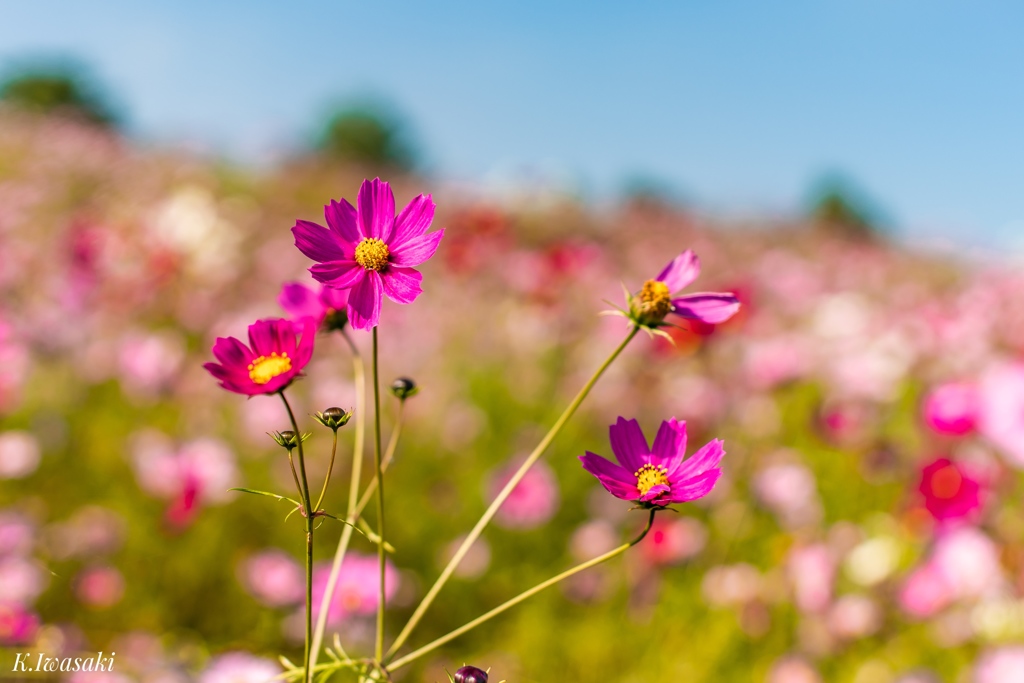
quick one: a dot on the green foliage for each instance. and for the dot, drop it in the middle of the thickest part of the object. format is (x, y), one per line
(63, 91)
(367, 137)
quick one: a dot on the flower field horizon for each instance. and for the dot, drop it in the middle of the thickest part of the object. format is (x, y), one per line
(865, 525)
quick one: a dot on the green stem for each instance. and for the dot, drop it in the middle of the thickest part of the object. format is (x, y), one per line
(470, 539)
(309, 539)
(379, 649)
(330, 468)
(389, 455)
(359, 378)
(412, 656)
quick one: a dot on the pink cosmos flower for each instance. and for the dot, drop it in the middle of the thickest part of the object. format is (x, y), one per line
(300, 301)
(533, 502)
(370, 250)
(1001, 414)
(658, 475)
(276, 357)
(17, 625)
(357, 590)
(1002, 665)
(655, 299)
(239, 667)
(949, 492)
(952, 408)
(274, 578)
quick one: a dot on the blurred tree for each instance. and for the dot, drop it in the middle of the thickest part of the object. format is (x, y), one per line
(367, 136)
(63, 90)
(836, 206)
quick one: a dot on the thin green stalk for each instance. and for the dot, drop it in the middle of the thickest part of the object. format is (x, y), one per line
(309, 539)
(381, 558)
(359, 377)
(389, 455)
(330, 468)
(470, 539)
(412, 656)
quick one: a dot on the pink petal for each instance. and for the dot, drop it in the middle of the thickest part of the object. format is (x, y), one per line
(342, 220)
(703, 460)
(331, 297)
(402, 285)
(692, 489)
(271, 335)
(681, 271)
(709, 307)
(629, 444)
(618, 481)
(364, 301)
(654, 492)
(231, 352)
(317, 242)
(338, 274)
(414, 220)
(670, 443)
(376, 209)
(300, 301)
(232, 380)
(417, 250)
(304, 347)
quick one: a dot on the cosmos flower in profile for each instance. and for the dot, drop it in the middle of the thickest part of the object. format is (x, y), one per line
(659, 475)
(327, 306)
(370, 250)
(276, 355)
(658, 297)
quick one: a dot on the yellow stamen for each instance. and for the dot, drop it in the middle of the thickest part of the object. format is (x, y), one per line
(266, 368)
(372, 254)
(649, 476)
(655, 301)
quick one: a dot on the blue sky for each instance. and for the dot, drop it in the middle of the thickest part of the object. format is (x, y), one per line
(740, 105)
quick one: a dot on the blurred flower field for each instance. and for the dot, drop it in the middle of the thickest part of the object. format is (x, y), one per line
(867, 527)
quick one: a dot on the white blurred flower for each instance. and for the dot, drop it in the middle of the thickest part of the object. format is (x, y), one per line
(19, 454)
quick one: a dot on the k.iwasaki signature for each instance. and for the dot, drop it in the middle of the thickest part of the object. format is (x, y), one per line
(29, 662)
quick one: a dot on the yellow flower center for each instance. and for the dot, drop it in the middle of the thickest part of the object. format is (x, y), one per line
(649, 476)
(372, 254)
(655, 300)
(266, 368)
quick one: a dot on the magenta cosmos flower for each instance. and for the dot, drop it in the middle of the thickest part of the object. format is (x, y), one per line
(658, 475)
(370, 250)
(657, 297)
(276, 354)
(949, 492)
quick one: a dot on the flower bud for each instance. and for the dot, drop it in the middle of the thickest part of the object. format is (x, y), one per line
(287, 439)
(333, 418)
(403, 388)
(470, 674)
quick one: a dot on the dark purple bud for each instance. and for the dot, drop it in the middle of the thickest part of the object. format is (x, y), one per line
(470, 674)
(403, 388)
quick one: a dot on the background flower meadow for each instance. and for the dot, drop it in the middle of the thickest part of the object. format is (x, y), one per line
(867, 527)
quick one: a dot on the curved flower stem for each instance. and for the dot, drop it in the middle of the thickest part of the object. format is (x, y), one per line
(359, 378)
(398, 663)
(504, 494)
(381, 558)
(309, 539)
(330, 468)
